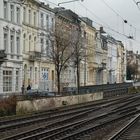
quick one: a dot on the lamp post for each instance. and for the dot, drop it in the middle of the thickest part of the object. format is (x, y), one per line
(68, 2)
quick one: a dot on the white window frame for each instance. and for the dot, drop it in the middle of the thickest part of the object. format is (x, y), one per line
(24, 42)
(42, 45)
(12, 42)
(17, 80)
(7, 80)
(34, 18)
(18, 44)
(18, 15)
(30, 39)
(24, 14)
(30, 18)
(5, 9)
(12, 13)
(5, 40)
(42, 20)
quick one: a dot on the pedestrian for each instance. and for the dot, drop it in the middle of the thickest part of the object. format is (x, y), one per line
(22, 89)
(29, 87)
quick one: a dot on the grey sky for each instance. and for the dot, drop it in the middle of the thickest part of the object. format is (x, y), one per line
(100, 13)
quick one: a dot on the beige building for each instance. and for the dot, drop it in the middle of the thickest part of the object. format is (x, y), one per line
(121, 70)
(38, 20)
(90, 44)
(101, 58)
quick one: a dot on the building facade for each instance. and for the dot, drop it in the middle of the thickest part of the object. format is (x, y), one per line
(90, 44)
(11, 43)
(27, 38)
(46, 30)
(38, 22)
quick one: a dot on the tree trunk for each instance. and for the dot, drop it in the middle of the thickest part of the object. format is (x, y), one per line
(78, 77)
(58, 83)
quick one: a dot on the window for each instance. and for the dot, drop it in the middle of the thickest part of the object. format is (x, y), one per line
(24, 14)
(18, 44)
(47, 47)
(35, 74)
(7, 80)
(35, 18)
(42, 20)
(47, 22)
(34, 43)
(52, 75)
(18, 15)
(12, 44)
(52, 24)
(5, 9)
(12, 13)
(45, 74)
(29, 43)
(31, 72)
(5, 41)
(24, 42)
(42, 47)
(29, 16)
(17, 80)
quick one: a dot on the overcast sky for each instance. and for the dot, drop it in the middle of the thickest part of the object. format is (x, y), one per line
(98, 11)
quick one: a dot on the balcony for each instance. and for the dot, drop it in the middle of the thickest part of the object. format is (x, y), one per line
(34, 56)
(101, 66)
(2, 56)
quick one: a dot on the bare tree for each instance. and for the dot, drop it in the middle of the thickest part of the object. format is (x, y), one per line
(61, 51)
(79, 52)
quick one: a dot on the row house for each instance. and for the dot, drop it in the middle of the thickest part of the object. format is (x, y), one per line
(68, 21)
(100, 57)
(90, 42)
(46, 30)
(115, 61)
(104, 60)
(24, 46)
(38, 23)
(10, 47)
(121, 62)
(27, 39)
(31, 45)
(112, 60)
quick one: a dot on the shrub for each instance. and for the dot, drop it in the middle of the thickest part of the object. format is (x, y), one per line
(8, 106)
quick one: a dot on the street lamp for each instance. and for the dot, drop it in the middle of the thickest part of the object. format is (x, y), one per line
(69, 2)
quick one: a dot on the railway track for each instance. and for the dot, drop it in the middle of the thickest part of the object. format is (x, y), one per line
(76, 120)
(130, 131)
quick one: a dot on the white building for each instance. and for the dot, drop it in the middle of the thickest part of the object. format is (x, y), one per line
(112, 60)
(11, 42)
(46, 30)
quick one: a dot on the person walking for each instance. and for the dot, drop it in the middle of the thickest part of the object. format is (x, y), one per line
(22, 89)
(29, 87)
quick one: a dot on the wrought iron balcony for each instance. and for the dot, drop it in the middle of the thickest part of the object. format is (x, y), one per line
(33, 55)
(102, 66)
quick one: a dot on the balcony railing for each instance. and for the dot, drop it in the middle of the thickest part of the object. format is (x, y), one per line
(33, 55)
(102, 66)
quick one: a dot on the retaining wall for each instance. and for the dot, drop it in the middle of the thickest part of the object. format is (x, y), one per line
(48, 103)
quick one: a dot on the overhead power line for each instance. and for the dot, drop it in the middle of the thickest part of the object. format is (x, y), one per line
(107, 26)
(103, 24)
(137, 3)
(123, 19)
